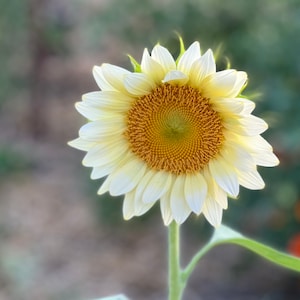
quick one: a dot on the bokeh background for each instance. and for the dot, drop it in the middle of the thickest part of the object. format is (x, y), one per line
(58, 240)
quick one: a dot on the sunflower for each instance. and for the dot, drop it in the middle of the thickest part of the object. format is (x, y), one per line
(173, 131)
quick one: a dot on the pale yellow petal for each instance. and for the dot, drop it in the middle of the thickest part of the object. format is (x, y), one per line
(236, 155)
(251, 180)
(221, 84)
(218, 194)
(202, 68)
(115, 75)
(152, 68)
(165, 208)
(104, 170)
(91, 113)
(213, 212)
(221, 197)
(225, 176)
(139, 84)
(81, 144)
(101, 81)
(248, 105)
(109, 127)
(179, 207)
(164, 58)
(176, 77)
(245, 125)
(253, 125)
(105, 153)
(104, 188)
(141, 207)
(132, 206)
(93, 97)
(257, 142)
(153, 185)
(188, 58)
(144, 183)
(214, 191)
(241, 79)
(261, 151)
(126, 177)
(227, 106)
(266, 159)
(110, 100)
(128, 206)
(195, 190)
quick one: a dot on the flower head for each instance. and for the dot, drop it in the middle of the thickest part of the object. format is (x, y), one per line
(174, 131)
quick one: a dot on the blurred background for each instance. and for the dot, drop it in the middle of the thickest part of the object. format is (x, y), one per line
(58, 239)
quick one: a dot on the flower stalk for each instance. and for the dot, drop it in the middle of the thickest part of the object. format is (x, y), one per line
(175, 284)
(178, 277)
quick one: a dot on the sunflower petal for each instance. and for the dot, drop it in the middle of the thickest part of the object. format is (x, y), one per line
(95, 131)
(202, 68)
(241, 78)
(265, 159)
(189, 56)
(251, 180)
(100, 79)
(110, 100)
(141, 207)
(213, 212)
(115, 75)
(224, 84)
(175, 77)
(248, 105)
(164, 58)
(104, 188)
(138, 84)
(152, 68)
(128, 206)
(81, 144)
(126, 177)
(179, 207)
(165, 209)
(195, 190)
(104, 170)
(253, 125)
(225, 176)
(157, 185)
(102, 154)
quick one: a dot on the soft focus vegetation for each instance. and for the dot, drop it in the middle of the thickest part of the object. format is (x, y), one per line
(47, 49)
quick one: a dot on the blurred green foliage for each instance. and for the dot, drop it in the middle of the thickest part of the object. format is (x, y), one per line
(13, 42)
(12, 161)
(258, 36)
(17, 49)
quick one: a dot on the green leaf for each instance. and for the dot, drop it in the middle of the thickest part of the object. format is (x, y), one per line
(225, 235)
(182, 47)
(135, 64)
(116, 297)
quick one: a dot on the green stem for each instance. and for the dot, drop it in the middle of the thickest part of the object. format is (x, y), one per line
(175, 285)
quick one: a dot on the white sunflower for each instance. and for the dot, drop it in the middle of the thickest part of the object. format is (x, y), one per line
(174, 131)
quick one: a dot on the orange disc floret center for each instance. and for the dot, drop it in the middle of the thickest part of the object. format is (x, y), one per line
(174, 129)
